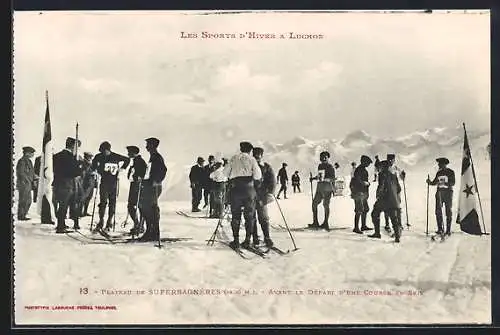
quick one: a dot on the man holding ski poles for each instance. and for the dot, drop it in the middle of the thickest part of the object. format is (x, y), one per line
(324, 190)
(107, 164)
(135, 174)
(445, 180)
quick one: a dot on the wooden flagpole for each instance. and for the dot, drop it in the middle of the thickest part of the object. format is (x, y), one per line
(475, 180)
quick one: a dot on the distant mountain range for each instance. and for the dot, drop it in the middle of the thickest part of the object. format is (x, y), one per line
(301, 154)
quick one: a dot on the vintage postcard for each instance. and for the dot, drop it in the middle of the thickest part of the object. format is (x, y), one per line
(265, 167)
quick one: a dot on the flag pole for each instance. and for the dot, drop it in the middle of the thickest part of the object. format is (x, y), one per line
(475, 181)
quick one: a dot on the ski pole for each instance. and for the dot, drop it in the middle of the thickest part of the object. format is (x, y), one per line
(211, 240)
(427, 224)
(93, 206)
(116, 199)
(157, 216)
(406, 206)
(286, 224)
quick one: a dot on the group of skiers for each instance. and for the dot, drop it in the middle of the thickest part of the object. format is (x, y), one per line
(244, 183)
(76, 178)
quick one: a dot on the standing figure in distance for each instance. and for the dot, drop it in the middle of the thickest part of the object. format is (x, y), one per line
(197, 181)
(151, 190)
(265, 191)
(283, 180)
(66, 171)
(25, 173)
(445, 180)
(324, 190)
(296, 182)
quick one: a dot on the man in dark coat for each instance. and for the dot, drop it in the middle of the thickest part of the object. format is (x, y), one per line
(66, 171)
(89, 183)
(296, 182)
(388, 201)
(25, 177)
(283, 180)
(444, 180)
(324, 190)
(265, 190)
(151, 190)
(359, 186)
(107, 164)
(244, 174)
(197, 180)
(135, 174)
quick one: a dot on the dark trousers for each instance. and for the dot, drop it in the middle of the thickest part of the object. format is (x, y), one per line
(65, 194)
(46, 217)
(444, 197)
(196, 195)
(242, 196)
(262, 216)
(133, 201)
(392, 213)
(206, 195)
(296, 187)
(324, 192)
(107, 194)
(283, 189)
(150, 210)
(24, 202)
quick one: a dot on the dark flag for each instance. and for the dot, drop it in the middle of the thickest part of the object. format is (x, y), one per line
(44, 196)
(467, 204)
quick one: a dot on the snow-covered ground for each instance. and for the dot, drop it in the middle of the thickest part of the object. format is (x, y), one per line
(333, 277)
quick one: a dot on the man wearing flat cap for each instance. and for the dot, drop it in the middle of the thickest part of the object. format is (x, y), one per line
(108, 164)
(244, 175)
(444, 180)
(135, 175)
(25, 179)
(89, 183)
(151, 190)
(197, 180)
(359, 186)
(66, 170)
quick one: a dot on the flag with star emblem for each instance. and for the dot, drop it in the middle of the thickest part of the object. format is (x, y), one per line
(467, 204)
(44, 196)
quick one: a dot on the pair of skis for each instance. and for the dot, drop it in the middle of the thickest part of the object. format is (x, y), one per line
(261, 253)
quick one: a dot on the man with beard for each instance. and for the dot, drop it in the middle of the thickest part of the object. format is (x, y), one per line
(89, 183)
(283, 180)
(264, 190)
(359, 193)
(66, 172)
(244, 174)
(197, 180)
(135, 174)
(324, 190)
(388, 201)
(25, 178)
(151, 190)
(445, 180)
(107, 164)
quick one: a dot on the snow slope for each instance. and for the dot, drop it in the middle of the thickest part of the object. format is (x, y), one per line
(451, 280)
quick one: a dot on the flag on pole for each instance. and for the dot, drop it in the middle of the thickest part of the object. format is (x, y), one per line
(46, 176)
(468, 217)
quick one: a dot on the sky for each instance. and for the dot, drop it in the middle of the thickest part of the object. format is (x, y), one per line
(126, 76)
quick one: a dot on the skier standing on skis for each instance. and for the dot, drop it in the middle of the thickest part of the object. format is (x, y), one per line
(388, 201)
(135, 174)
(283, 180)
(66, 170)
(265, 191)
(219, 180)
(89, 183)
(244, 174)
(445, 180)
(197, 180)
(151, 190)
(296, 182)
(324, 190)
(359, 193)
(107, 164)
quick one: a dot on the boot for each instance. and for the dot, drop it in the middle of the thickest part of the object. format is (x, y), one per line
(61, 227)
(268, 242)
(397, 233)
(76, 225)
(109, 224)
(235, 226)
(99, 225)
(440, 226)
(325, 225)
(364, 227)
(356, 224)
(248, 234)
(315, 223)
(195, 210)
(267, 239)
(376, 234)
(448, 226)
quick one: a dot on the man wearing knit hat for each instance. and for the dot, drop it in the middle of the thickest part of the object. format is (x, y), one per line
(25, 179)
(444, 180)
